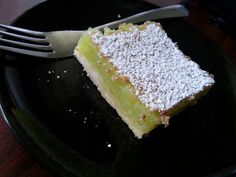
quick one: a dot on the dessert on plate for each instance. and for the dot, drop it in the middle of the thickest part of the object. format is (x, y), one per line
(141, 73)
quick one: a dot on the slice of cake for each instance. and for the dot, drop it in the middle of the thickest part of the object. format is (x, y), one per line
(141, 73)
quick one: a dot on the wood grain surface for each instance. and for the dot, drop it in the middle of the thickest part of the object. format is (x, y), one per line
(14, 161)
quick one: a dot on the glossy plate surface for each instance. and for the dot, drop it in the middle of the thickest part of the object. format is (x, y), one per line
(62, 121)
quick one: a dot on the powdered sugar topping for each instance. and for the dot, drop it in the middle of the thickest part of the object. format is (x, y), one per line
(160, 73)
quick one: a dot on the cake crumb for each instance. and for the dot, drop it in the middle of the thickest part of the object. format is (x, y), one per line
(165, 120)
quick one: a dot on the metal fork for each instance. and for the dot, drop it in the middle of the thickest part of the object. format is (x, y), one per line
(60, 44)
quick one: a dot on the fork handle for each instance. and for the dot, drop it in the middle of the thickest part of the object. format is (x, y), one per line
(160, 13)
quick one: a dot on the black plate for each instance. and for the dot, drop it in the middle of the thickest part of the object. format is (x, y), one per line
(61, 119)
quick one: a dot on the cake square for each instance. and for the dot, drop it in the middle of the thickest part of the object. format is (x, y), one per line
(141, 73)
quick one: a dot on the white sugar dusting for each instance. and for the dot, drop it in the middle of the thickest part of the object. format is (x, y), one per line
(160, 73)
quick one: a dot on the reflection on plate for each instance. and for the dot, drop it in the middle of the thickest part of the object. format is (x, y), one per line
(61, 119)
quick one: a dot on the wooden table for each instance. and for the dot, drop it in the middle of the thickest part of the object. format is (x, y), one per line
(14, 161)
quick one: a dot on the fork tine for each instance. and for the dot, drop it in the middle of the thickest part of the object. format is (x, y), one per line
(32, 39)
(27, 52)
(23, 44)
(22, 30)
